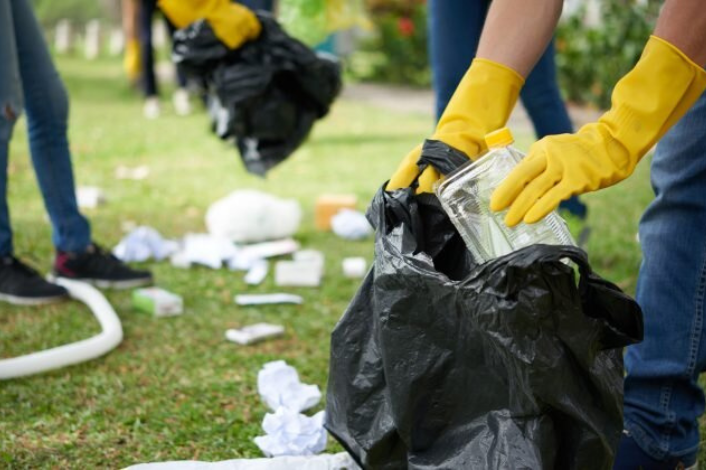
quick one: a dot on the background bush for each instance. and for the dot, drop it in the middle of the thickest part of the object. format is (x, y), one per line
(591, 60)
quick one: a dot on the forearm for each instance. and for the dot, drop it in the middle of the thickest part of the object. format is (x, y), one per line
(683, 23)
(517, 32)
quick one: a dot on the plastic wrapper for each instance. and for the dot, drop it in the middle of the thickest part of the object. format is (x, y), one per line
(440, 362)
(267, 94)
(311, 21)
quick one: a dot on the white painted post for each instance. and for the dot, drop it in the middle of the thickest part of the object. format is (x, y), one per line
(92, 40)
(116, 44)
(62, 36)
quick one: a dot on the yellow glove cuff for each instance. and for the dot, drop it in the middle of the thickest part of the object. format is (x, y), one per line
(481, 104)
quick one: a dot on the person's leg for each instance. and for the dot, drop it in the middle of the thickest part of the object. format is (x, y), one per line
(542, 100)
(454, 31)
(149, 78)
(10, 108)
(47, 106)
(663, 400)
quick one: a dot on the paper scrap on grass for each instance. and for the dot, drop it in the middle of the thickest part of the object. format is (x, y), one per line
(265, 299)
(291, 433)
(257, 273)
(340, 461)
(142, 244)
(279, 387)
(136, 173)
(351, 225)
(254, 333)
(201, 248)
(89, 197)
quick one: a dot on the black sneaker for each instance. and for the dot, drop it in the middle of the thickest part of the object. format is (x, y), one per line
(100, 268)
(22, 285)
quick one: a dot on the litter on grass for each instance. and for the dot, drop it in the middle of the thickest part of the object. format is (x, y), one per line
(158, 302)
(137, 173)
(298, 274)
(328, 205)
(354, 267)
(257, 273)
(288, 432)
(249, 216)
(351, 225)
(279, 387)
(254, 333)
(89, 197)
(340, 461)
(142, 244)
(265, 299)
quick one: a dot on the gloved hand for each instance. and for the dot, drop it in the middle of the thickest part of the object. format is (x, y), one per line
(131, 60)
(481, 104)
(646, 103)
(232, 23)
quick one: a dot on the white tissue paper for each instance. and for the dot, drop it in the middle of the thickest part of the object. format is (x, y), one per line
(279, 386)
(351, 225)
(144, 243)
(292, 433)
(340, 461)
(253, 216)
(201, 248)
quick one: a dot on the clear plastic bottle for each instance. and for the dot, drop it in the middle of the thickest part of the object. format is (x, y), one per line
(465, 196)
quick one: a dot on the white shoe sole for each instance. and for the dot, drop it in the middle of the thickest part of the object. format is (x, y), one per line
(103, 284)
(31, 301)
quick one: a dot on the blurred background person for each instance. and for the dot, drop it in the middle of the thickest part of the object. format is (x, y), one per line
(30, 82)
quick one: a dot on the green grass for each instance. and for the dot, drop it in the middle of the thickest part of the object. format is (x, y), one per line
(174, 388)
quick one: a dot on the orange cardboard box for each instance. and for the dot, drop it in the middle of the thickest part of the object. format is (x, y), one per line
(328, 205)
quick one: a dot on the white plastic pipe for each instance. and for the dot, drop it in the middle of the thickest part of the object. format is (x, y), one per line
(74, 353)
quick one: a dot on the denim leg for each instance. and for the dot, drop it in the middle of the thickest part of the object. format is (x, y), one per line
(149, 78)
(662, 397)
(47, 107)
(266, 5)
(10, 108)
(542, 100)
(454, 31)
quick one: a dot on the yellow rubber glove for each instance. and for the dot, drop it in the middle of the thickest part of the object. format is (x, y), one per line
(232, 23)
(646, 103)
(131, 60)
(481, 104)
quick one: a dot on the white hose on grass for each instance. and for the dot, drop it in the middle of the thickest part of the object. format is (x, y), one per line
(61, 356)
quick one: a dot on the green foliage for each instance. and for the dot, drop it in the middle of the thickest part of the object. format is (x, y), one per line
(397, 52)
(591, 60)
(80, 11)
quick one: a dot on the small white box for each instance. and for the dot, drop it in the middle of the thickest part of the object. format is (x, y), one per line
(298, 273)
(354, 267)
(157, 301)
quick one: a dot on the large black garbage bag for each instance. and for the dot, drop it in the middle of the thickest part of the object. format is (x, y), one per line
(439, 363)
(267, 94)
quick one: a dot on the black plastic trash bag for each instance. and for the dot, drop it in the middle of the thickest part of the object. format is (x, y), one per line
(439, 363)
(267, 94)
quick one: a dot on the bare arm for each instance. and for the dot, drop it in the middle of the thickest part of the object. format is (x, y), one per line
(517, 32)
(683, 23)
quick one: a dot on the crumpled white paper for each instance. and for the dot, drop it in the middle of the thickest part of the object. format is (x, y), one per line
(247, 216)
(340, 461)
(291, 433)
(351, 225)
(279, 386)
(201, 248)
(144, 243)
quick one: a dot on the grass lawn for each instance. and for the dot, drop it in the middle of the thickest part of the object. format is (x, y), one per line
(174, 388)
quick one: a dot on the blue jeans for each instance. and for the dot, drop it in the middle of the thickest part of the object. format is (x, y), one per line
(454, 32)
(662, 397)
(29, 80)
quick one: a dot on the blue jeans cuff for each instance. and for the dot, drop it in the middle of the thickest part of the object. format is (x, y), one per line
(653, 448)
